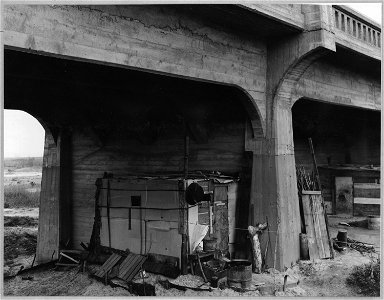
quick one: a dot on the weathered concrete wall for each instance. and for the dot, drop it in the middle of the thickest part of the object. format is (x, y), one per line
(339, 85)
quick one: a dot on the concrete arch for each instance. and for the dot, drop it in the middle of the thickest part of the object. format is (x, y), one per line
(250, 106)
(285, 89)
(331, 80)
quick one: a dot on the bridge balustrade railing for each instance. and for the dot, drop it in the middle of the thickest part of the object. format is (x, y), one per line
(359, 29)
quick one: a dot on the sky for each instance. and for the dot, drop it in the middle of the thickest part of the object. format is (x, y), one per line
(24, 135)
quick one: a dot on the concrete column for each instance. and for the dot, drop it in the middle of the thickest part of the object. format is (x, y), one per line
(286, 184)
(48, 232)
(55, 198)
(279, 202)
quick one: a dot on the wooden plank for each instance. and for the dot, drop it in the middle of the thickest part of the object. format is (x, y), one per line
(220, 193)
(125, 264)
(367, 201)
(366, 210)
(108, 265)
(136, 268)
(70, 258)
(132, 261)
(316, 229)
(366, 190)
(131, 267)
(220, 218)
(366, 186)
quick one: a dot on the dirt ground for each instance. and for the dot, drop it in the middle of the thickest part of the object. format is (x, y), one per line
(318, 278)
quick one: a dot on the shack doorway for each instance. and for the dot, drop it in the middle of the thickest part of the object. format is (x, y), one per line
(346, 142)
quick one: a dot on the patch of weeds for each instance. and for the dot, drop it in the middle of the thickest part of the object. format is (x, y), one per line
(19, 243)
(306, 269)
(19, 196)
(366, 278)
(23, 221)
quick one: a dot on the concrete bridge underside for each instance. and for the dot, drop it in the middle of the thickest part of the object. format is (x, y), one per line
(166, 55)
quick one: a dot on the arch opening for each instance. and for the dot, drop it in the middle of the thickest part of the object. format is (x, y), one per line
(23, 163)
(347, 145)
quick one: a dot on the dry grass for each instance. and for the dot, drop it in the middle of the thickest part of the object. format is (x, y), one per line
(19, 241)
(366, 278)
(23, 221)
(20, 196)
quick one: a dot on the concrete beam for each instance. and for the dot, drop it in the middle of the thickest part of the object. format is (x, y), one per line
(288, 14)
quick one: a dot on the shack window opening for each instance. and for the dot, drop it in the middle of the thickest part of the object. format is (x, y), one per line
(136, 200)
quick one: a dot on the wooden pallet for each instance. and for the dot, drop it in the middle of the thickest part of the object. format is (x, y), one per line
(108, 265)
(130, 266)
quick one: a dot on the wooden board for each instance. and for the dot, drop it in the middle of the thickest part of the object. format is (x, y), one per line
(366, 190)
(366, 210)
(318, 242)
(130, 266)
(344, 195)
(108, 265)
(367, 199)
(220, 217)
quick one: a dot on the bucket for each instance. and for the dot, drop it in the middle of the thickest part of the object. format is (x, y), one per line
(373, 222)
(240, 274)
(209, 244)
(342, 238)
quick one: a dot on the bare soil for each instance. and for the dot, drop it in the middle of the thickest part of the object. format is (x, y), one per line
(318, 278)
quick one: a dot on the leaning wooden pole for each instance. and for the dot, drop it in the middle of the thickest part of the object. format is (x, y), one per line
(183, 206)
(322, 200)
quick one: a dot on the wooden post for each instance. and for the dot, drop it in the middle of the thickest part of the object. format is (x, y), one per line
(64, 145)
(183, 209)
(256, 251)
(108, 213)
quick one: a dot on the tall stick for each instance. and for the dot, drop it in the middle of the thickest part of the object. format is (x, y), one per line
(184, 213)
(108, 213)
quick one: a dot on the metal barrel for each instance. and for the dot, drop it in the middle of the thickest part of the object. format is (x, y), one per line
(342, 238)
(240, 274)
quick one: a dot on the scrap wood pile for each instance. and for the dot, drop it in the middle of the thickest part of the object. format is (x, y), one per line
(305, 180)
(121, 270)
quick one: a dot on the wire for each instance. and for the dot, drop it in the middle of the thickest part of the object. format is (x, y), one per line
(145, 208)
